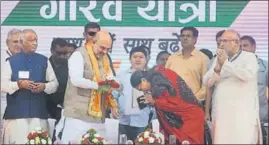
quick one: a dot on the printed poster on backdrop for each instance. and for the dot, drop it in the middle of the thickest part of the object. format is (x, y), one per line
(155, 24)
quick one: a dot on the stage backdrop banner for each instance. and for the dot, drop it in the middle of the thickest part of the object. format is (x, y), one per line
(155, 24)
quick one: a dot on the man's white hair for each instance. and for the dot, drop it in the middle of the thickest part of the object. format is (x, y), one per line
(12, 32)
(24, 31)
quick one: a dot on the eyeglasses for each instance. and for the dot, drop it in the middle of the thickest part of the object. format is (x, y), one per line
(226, 41)
(188, 36)
(15, 41)
(92, 33)
(61, 53)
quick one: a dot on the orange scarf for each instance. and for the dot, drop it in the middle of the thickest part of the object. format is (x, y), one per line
(95, 108)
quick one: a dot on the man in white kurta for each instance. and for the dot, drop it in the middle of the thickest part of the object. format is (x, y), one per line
(235, 107)
(13, 46)
(27, 78)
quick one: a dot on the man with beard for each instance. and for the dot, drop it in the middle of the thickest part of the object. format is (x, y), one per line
(90, 31)
(84, 107)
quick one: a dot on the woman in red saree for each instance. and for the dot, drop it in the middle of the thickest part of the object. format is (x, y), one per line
(178, 110)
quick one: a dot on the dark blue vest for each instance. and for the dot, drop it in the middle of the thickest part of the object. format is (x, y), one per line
(23, 103)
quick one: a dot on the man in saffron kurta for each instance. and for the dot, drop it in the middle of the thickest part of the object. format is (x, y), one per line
(84, 108)
(235, 103)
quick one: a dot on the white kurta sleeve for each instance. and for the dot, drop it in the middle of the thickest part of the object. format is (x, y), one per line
(7, 85)
(52, 82)
(245, 72)
(210, 77)
(76, 68)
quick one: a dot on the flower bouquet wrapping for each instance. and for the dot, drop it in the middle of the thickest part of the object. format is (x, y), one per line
(105, 89)
(149, 137)
(108, 84)
(91, 137)
(38, 136)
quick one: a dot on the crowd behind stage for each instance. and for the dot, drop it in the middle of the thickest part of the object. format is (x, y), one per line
(185, 91)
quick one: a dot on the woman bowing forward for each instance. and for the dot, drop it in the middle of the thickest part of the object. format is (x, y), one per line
(178, 110)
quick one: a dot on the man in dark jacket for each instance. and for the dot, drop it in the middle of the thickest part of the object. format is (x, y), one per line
(58, 61)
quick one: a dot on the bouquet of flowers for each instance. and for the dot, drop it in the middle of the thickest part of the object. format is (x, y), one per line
(38, 136)
(91, 137)
(108, 84)
(149, 137)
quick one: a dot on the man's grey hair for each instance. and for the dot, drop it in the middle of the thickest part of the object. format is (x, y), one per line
(233, 31)
(24, 31)
(12, 32)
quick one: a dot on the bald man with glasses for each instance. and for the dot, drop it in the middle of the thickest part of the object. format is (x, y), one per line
(235, 102)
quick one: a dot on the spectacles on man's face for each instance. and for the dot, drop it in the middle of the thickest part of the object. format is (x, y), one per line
(15, 41)
(183, 36)
(91, 33)
(226, 41)
(61, 53)
(218, 43)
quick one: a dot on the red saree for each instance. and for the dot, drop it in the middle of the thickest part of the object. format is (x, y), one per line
(183, 105)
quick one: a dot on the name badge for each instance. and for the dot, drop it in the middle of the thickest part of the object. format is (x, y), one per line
(24, 74)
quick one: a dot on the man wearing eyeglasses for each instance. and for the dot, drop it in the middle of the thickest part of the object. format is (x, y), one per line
(28, 78)
(90, 30)
(235, 112)
(12, 42)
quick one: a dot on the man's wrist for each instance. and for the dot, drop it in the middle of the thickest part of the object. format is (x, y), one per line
(217, 70)
(114, 107)
(19, 83)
